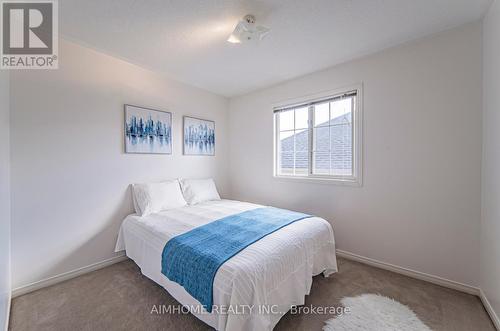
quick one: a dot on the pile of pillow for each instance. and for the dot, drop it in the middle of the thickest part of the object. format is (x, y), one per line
(156, 197)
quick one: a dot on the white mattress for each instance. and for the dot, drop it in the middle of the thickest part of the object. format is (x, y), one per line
(276, 270)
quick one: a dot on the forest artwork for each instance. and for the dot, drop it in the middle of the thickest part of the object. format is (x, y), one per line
(147, 131)
(199, 136)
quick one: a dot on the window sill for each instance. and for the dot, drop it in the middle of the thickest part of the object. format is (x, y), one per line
(318, 180)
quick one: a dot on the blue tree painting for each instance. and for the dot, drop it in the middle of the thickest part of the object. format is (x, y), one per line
(199, 136)
(147, 131)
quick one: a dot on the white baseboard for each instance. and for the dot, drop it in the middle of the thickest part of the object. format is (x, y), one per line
(410, 273)
(347, 255)
(426, 277)
(67, 275)
(489, 309)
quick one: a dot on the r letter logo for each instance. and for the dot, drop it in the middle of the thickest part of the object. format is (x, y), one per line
(29, 34)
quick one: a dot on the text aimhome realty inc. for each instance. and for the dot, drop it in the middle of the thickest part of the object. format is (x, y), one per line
(250, 309)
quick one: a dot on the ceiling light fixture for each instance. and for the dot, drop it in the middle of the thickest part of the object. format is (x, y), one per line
(246, 30)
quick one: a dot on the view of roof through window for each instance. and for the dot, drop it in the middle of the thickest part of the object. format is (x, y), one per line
(331, 149)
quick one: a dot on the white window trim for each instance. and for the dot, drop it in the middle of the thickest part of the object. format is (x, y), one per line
(357, 178)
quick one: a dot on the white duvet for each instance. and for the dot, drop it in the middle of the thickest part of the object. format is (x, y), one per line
(253, 289)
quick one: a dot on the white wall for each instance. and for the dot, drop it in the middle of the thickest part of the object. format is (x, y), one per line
(419, 206)
(4, 199)
(490, 223)
(70, 175)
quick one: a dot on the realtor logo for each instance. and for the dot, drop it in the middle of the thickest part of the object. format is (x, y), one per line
(29, 34)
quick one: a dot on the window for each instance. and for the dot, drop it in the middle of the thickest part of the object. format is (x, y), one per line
(320, 139)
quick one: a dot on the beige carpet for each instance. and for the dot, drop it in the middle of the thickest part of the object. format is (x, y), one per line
(120, 298)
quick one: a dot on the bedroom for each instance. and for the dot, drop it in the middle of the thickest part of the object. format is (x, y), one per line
(354, 143)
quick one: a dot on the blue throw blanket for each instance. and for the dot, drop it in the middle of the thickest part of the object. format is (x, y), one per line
(193, 258)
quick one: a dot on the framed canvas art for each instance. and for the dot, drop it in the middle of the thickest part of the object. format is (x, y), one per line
(199, 136)
(147, 131)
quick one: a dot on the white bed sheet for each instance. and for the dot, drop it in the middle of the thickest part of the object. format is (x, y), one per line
(276, 270)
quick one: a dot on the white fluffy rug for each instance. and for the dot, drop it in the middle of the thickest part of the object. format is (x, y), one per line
(372, 312)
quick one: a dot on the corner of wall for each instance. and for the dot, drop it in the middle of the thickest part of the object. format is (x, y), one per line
(490, 175)
(5, 219)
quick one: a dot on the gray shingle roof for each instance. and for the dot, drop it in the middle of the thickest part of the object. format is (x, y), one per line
(337, 133)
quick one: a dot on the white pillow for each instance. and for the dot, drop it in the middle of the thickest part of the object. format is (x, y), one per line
(155, 197)
(199, 190)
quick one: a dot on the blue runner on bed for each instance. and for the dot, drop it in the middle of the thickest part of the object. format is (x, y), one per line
(193, 258)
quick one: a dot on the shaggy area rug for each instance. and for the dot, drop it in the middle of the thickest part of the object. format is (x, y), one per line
(372, 312)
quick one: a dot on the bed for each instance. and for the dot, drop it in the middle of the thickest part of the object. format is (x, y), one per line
(254, 288)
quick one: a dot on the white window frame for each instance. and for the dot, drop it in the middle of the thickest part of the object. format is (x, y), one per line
(357, 158)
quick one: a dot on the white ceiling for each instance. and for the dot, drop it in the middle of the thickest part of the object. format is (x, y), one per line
(186, 39)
